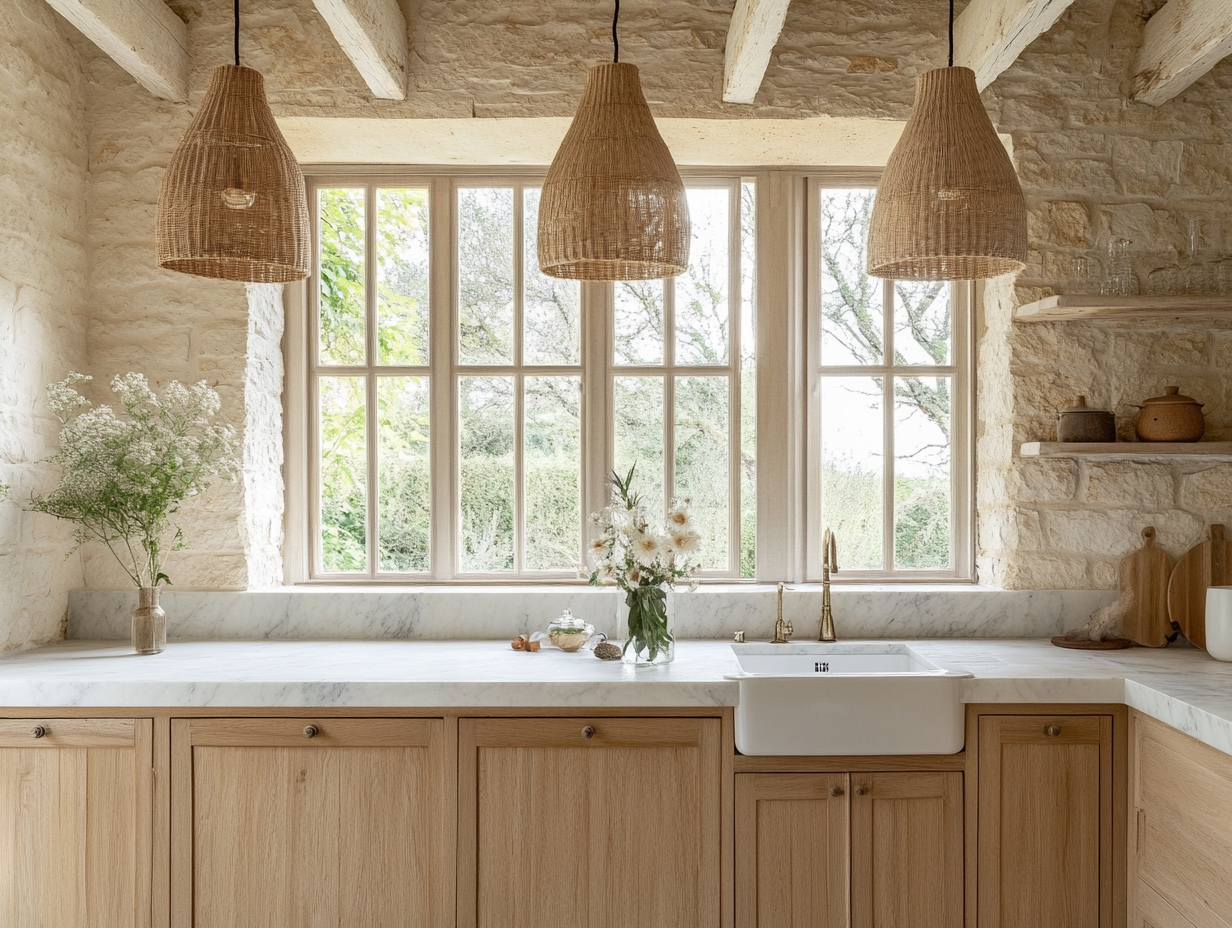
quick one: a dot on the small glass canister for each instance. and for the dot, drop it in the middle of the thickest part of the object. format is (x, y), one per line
(569, 632)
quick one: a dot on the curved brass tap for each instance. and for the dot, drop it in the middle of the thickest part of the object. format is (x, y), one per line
(829, 564)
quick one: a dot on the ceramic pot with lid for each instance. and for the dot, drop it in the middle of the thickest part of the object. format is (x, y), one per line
(1171, 417)
(1081, 423)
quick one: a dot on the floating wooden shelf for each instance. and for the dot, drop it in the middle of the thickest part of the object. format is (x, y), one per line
(1179, 309)
(1128, 450)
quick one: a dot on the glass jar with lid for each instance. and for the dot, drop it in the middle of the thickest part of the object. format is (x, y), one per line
(569, 632)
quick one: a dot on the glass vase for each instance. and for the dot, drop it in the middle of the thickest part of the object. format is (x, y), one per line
(644, 621)
(149, 623)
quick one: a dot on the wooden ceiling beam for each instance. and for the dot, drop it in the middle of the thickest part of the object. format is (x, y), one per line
(755, 27)
(373, 35)
(1182, 41)
(989, 35)
(144, 37)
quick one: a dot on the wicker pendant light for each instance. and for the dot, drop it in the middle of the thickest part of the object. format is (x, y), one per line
(949, 205)
(232, 203)
(613, 205)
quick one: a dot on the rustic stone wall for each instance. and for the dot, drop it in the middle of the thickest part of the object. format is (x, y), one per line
(42, 299)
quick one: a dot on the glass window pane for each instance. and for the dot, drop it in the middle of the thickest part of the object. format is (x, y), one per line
(404, 506)
(639, 322)
(637, 406)
(551, 308)
(340, 301)
(748, 381)
(702, 311)
(923, 491)
(702, 462)
(402, 275)
(921, 322)
(344, 475)
(485, 275)
(852, 469)
(851, 301)
(486, 466)
(552, 469)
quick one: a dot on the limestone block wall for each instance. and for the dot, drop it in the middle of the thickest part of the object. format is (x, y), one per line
(1096, 166)
(43, 284)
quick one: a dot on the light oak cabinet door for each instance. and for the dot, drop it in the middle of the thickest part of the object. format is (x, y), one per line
(906, 850)
(589, 823)
(792, 850)
(1151, 910)
(297, 823)
(1045, 821)
(75, 823)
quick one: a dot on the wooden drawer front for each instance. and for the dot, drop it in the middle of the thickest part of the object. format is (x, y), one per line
(1183, 812)
(1151, 910)
(620, 829)
(75, 823)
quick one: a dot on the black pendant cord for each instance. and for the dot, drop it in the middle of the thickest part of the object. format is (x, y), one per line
(237, 32)
(615, 39)
(951, 30)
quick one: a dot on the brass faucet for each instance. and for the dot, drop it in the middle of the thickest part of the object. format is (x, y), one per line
(829, 563)
(781, 629)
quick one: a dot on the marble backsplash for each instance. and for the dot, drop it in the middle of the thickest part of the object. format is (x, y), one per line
(313, 612)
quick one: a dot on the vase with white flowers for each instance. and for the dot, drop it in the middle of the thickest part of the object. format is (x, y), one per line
(646, 565)
(122, 479)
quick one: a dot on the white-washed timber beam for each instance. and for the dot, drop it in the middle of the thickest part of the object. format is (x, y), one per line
(144, 37)
(989, 35)
(373, 35)
(755, 27)
(1182, 41)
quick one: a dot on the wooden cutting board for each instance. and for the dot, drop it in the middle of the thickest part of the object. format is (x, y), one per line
(1208, 564)
(1146, 572)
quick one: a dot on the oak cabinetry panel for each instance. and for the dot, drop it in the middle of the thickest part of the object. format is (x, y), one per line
(348, 828)
(589, 823)
(75, 823)
(1151, 910)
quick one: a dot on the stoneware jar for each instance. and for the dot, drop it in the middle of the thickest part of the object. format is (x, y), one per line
(1219, 622)
(1171, 417)
(1081, 423)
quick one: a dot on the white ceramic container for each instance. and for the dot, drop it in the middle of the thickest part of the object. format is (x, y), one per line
(1219, 622)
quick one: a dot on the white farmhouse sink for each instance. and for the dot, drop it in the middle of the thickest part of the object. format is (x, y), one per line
(859, 697)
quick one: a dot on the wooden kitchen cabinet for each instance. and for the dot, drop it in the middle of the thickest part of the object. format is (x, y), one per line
(589, 823)
(866, 849)
(75, 823)
(300, 823)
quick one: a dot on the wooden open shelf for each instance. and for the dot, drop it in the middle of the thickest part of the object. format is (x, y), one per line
(1177, 309)
(1128, 450)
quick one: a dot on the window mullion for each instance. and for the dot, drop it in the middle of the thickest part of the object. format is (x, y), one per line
(888, 316)
(443, 386)
(598, 413)
(669, 392)
(370, 351)
(735, 308)
(519, 387)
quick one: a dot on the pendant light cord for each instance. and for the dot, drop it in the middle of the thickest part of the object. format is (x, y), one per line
(237, 32)
(615, 39)
(951, 30)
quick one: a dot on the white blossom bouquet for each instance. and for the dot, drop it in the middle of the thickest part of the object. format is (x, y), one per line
(122, 480)
(643, 563)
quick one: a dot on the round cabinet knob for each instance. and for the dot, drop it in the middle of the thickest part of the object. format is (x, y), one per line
(1052, 731)
(861, 790)
(311, 731)
(588, 732)
(836, 791)
(39, 731)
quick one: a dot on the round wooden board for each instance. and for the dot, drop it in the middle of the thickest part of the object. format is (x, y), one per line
(1207, 564)
(1108, 644)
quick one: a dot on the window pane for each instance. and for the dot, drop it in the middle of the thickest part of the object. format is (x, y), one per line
(486, 466)
(404, 507)
(851, 301)
(702, 462)
(340, 300)
(485, 275)
(921, 322)
(344, 475)
(402, 275)
(637, 405)
(552, 469)
(551, 308)
(639, 322)
(702, 312)
(923, 492)
(748, 381)
(852, 469)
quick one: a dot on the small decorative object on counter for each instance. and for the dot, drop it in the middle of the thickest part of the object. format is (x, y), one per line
(523, 643)
(1219, 622)
(1103, 629)
(1080, 423)
(1171, 417)
(569, 633)
(606, 651)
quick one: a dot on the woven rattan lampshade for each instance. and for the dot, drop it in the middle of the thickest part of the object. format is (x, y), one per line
(949, 205)
(232, 202)
(613, 206)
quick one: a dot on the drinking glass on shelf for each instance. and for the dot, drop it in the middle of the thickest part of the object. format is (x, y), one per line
(1197, 275)
(1088, 275)
(1119, 279)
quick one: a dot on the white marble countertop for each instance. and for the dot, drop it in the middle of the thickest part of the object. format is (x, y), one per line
(1180, 686)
